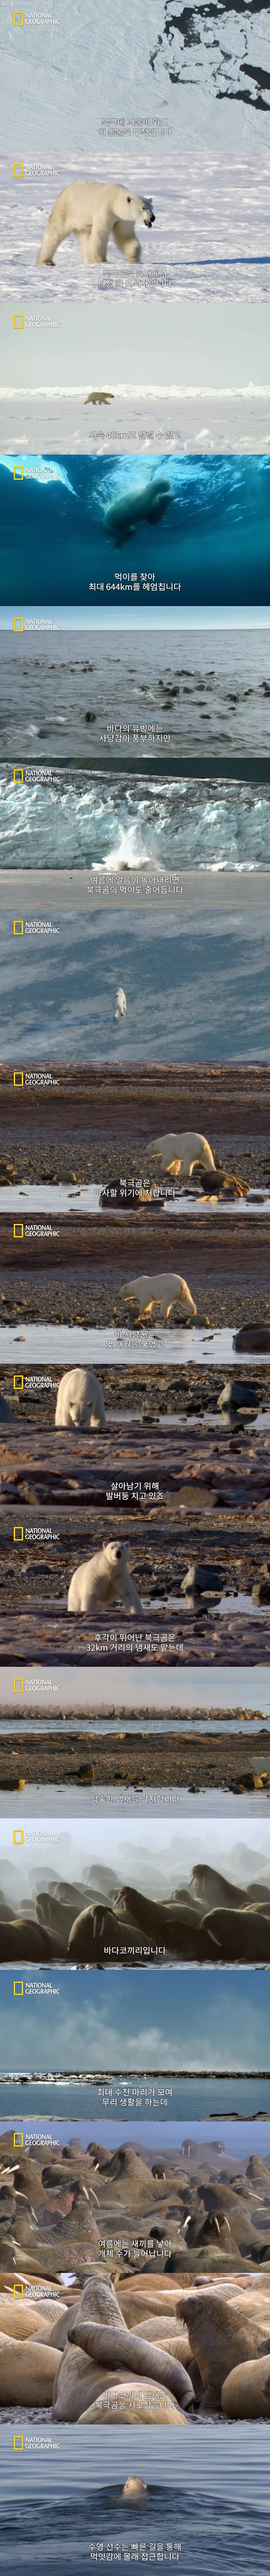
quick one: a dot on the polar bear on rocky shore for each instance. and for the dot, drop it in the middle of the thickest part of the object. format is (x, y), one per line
(104, 1579)
(94, 212)
(165, 1290)
(178, 1154)
(79, 1391)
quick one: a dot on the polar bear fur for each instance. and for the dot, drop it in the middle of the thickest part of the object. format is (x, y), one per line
(94, 212)
(79, 1390)
(104, 1579)
(179, 1153)
(120, 1003)
(165, 1290)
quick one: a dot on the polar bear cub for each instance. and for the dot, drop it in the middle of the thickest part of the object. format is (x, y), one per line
(94, 212)
(166, 1289)
(179, 1153)
(103, 1579)
(79, 1390)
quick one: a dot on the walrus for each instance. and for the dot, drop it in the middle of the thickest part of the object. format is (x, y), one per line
(133, 2489)
(27, 2372)
(134, 2400)
(242, 1934)
(246, 2391)
(106, 2353)
(224, 2329)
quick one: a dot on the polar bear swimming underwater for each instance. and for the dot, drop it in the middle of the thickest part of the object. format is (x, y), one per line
(146, 501)
(94, 212)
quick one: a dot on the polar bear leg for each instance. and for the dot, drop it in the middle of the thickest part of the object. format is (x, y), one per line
(129, 1596)
(55, 233)
(94, 240)
(127, 242)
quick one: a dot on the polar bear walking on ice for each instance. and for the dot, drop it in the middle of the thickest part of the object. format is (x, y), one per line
(79, 1394)
(104, 1579)
(177, 1154)
(94, 212)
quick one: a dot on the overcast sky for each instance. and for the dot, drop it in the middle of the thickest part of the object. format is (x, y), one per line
(203, 345)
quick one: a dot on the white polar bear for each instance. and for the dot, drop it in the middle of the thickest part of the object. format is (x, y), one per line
(103, 1579)
(94, 212)
(120, 1003)
(166, 1289)
(77, 1391)
(179, 1153)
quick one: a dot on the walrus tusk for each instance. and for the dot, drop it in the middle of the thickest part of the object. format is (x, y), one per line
(119, 2349)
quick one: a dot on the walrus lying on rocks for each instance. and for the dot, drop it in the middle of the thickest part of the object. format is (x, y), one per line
(129, 2400)
(100, 2350)
(27, 2372)
(243, 1935)
(246, 2392)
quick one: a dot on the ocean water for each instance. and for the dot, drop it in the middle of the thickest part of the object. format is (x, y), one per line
(211, 217)
(190, 2097)
(184, 694)
(196, 986)
(75, 531)
(231, 2524)
(190, 74)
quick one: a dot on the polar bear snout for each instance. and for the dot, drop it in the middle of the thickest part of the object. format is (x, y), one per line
(148, 213)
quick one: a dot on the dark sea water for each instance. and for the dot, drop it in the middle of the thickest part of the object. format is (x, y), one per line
(132, 692)
(176, 531)
(215, 2529)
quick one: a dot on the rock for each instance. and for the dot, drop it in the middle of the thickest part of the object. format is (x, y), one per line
(252, 1337)
(27, 2372)
(246, 2392)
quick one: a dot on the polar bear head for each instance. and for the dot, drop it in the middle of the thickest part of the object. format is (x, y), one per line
(116, 1552)
(130, 207)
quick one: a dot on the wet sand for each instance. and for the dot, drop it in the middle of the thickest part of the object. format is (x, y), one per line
(183, 1761)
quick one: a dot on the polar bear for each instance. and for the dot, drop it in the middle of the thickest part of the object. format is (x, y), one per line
(179, 1153)
(94, 212)
(165, 1289)
(120, 1003)
(104, 1579)
(78, 1390)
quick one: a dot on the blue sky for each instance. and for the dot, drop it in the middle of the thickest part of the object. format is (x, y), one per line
(123, 2019)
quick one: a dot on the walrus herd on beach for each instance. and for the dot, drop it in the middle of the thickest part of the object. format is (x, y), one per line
(109, 2357)
(194, 2206)
(92, 1923)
